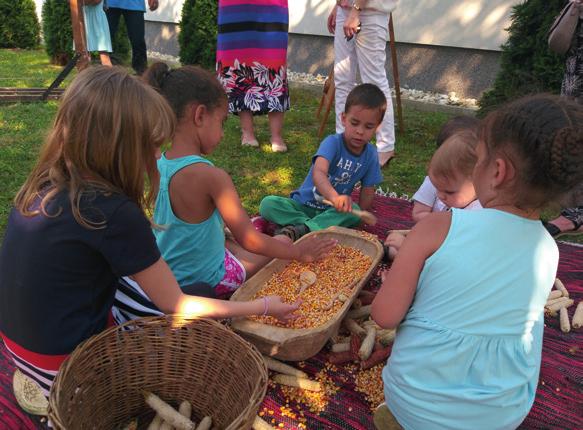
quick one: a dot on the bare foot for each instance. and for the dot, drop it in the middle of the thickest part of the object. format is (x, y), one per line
(385, 157)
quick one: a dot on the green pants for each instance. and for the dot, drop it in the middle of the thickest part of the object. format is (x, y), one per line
(286, 211)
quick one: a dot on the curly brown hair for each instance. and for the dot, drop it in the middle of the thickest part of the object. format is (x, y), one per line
(542, 135)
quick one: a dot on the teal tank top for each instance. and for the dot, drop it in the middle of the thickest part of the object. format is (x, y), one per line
(467, 355)
(194, 252)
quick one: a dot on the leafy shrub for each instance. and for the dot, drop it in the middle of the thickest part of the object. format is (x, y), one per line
(198, 33)
(57, 31)
(527, 65)
(19, 27)
(58, 34)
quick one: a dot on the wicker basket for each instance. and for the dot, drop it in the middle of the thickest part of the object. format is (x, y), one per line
(199, 360)
(301, 344)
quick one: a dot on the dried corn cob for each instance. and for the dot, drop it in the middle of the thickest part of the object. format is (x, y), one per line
(555, 294)
(387, 336)
(259, 424)
(563, 302)
(367, 344)
(376, 357)
(363, 312)
(564, 320)
(354, 328)
(561, 287)
(278, 366)
(294, 381)
(578, 316)
(167, 412)
(340, 347)
(205, 424)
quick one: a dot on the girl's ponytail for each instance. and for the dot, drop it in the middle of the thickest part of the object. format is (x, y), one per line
(156, 75)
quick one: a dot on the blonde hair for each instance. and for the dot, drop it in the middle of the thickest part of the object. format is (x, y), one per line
(456, 157)
(104, 138)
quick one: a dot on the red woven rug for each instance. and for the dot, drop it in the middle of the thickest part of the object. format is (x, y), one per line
(559, 398)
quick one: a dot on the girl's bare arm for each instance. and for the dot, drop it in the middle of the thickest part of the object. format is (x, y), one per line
(398, 289)
(159, 284)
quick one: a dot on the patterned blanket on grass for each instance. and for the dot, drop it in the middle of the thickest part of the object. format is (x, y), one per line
(559, 398)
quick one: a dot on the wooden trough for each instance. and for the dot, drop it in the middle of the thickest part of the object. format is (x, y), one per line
(301, 344)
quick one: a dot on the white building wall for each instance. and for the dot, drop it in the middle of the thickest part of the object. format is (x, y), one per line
(478, 24)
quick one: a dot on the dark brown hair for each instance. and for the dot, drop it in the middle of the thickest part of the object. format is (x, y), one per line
(368, 96)
(186, 85)
(542, 136)
(455, 125)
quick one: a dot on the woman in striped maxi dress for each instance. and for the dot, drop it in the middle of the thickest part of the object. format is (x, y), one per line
(251, 63)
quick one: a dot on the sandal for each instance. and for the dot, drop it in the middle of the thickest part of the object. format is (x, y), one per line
(278, 147)
(557, 232)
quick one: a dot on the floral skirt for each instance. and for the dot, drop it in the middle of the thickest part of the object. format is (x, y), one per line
(252, 54)
(573, 81)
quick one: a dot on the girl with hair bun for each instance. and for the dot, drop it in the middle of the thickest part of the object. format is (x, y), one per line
(196, 199)
(467, 289)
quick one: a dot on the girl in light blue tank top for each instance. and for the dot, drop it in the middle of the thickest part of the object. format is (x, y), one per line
(468, 288)
(197, 200)
(194, 251)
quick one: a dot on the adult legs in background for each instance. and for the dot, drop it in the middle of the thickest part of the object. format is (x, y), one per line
(247, 132)
(571, 219)
(276, 127)
(136, 32)
(366, 51)
(105, 59)
(113, 15)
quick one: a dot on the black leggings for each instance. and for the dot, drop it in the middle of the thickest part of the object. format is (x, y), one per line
(134, 20)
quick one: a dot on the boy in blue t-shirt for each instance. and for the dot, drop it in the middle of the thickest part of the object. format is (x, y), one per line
(341, 162)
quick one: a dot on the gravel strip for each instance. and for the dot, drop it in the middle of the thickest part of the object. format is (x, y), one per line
(451, 99)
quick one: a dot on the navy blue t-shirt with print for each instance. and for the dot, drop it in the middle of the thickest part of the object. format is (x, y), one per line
(58, 278)
(345, 171)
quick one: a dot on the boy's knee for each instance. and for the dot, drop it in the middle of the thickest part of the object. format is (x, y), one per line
(267, 204)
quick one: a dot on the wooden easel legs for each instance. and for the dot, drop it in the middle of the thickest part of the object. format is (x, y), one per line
(326, 101)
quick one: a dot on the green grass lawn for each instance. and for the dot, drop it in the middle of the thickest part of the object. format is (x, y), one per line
(255, 171)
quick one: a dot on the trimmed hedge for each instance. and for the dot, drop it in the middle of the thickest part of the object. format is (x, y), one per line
(57, 31)
(198, 33)
(527, 65)
(19, 27)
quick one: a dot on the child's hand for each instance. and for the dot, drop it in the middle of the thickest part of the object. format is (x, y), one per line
(395, 240)
(313, 248)
(153, 5)
(281, 310)
(342, 203)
